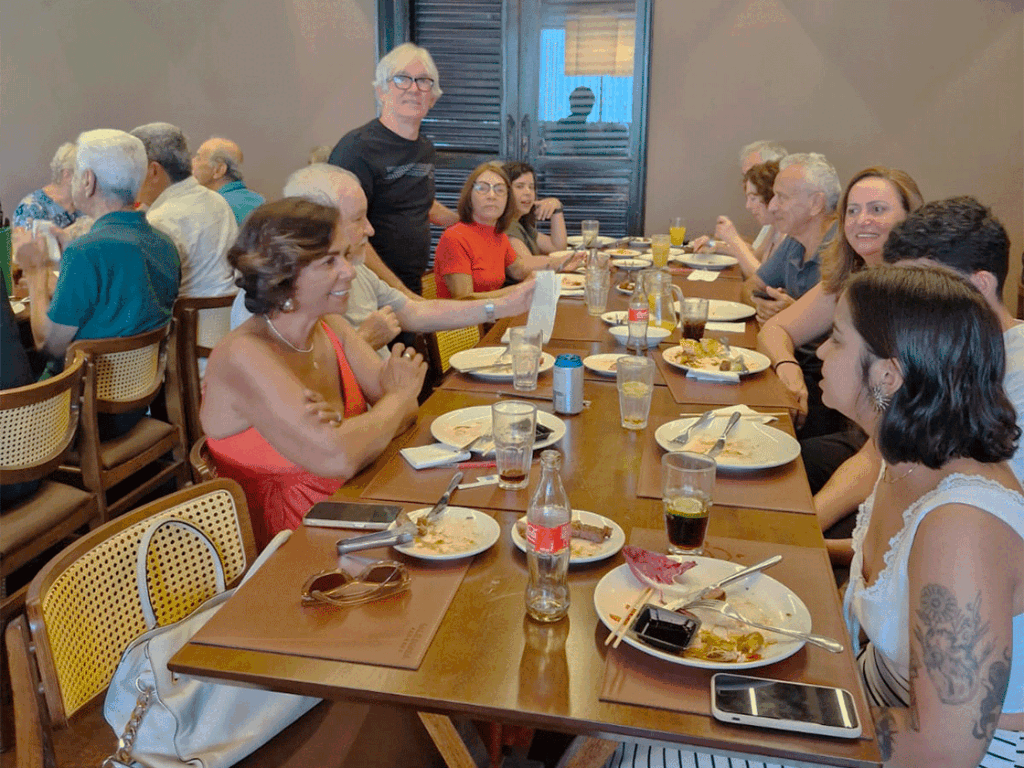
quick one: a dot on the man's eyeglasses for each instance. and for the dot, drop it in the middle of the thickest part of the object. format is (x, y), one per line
(499, 188)
(404, 82)
(378, 580)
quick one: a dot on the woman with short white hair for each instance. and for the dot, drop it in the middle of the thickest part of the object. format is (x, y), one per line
(53, 202)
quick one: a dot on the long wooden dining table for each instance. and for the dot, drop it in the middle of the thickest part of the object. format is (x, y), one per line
(486, 660)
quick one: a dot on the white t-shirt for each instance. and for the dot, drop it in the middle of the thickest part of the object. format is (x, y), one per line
(1013, 383)
(201, 224)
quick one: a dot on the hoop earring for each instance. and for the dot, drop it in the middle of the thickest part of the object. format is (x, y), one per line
(879, 400)
(288, 305)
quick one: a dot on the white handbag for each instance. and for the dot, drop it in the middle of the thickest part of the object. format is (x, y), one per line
(169, 720)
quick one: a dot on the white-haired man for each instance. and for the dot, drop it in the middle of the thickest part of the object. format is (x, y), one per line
(804, 204)
(217, 165)
(395, 166)
(759, 152)
(200, 222)
(377, 310)
(120, 279)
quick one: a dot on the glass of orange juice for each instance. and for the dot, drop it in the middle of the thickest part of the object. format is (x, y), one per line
(659, 250)
(677, 231)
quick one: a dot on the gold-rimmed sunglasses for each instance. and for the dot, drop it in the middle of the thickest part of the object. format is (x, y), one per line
(378, 580)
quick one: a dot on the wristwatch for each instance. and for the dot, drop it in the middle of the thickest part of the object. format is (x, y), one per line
(489, 309)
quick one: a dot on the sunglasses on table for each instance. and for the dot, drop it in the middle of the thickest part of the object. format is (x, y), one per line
(378, 580)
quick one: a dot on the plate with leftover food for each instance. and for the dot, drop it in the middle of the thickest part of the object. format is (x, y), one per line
(460, 532)
(721, 643)
(708, 355)
(751, 445)
(594, 537)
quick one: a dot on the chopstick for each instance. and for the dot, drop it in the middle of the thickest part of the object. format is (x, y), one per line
(616, 637)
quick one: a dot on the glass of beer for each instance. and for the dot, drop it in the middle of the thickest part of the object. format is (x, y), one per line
(677, 231)
(515, 426)
(687, 484)
(660, 250)
(634, 376)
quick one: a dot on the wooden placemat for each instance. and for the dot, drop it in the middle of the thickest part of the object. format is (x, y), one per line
(633, 677)
(266, 613)
(784, 488)
(759, 389)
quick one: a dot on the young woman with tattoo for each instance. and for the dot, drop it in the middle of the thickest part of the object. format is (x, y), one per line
(936, 597)
(937, 581)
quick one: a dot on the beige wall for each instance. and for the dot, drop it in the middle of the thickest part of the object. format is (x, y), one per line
(932, 86)
(278, 77)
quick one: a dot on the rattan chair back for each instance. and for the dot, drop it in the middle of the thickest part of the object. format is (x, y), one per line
(128, 372)
(84, 608)
(444, 344)
(38, 424)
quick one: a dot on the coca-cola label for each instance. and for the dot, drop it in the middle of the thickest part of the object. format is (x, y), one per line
(548, 541)
(638, 313)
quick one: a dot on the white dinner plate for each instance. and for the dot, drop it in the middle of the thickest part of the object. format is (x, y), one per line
(622, 287)
(760, 597)
(462, 424)
(481, 531)
(603, 364)
(751, 445)
(630, 264)
(727, 311)
(627, 253)
(477, 356)
(585, 551)
(616, 318)
(706, 260)
(601, 240)
(755, 361)
(642, 242)
(572, 284)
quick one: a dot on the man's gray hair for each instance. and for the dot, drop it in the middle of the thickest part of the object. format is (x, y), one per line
(766, 150)
(819, 173)
(400, 57)
(117, 159)
(320, 183)
(232, 170)
(166, 144)
(63, 160)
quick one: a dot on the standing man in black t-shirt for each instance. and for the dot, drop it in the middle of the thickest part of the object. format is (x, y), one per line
(395, 166)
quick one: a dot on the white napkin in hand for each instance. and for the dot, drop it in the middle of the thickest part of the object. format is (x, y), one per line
(544, 306)
(435, 455)
(705, 275)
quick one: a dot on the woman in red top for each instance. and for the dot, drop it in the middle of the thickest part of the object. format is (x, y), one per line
(298, 351)
(474, 257)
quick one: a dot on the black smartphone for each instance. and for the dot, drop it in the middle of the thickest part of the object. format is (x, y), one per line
(352, 514)
(759, 294)
(816, 709)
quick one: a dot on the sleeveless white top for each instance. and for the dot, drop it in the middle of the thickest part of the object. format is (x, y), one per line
(883, 608)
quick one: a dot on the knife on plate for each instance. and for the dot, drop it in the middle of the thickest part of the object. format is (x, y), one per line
(442, 504)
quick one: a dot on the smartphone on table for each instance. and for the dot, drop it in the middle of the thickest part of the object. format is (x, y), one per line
(813, 709)
(352, 514)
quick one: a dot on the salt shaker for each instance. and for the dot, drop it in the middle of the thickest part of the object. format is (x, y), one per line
(567, 384)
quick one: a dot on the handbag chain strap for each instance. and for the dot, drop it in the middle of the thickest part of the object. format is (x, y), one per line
(123, 754)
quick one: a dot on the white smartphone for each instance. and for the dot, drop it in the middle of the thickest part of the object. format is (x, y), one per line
(814, 709)
(352, 514)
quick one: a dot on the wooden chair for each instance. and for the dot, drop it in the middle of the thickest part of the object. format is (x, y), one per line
(83, 610)
(203, 468)
(123, 375)
(37, 426)
(441, 345)
(199, 323)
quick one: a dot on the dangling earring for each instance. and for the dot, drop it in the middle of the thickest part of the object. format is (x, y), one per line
(289, 305)
(879, 400)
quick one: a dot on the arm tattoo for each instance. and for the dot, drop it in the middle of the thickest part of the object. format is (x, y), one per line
(885, 726)
(952, 647)
(992, 701)
(915, 671)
